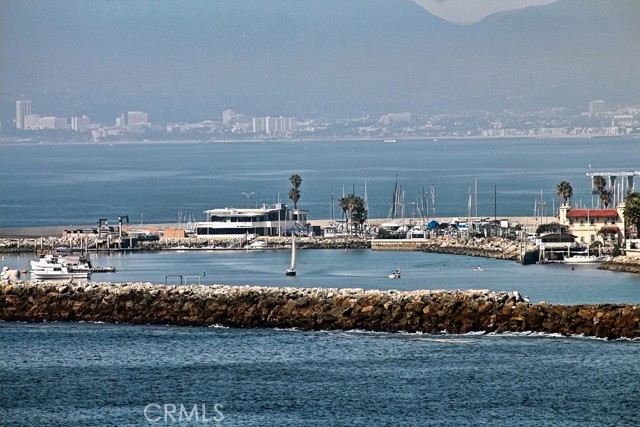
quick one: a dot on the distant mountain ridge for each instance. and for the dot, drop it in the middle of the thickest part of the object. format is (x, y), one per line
(189, 60)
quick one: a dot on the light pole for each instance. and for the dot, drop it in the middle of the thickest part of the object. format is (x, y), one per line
(248, 195)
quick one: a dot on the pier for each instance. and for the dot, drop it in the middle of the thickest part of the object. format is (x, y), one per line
(619, 190)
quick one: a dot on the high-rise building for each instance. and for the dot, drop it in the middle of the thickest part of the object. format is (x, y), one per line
(23, 109)
(228, 117)
(275, 125)
(597, 107)
(80, 124)
(259, 124)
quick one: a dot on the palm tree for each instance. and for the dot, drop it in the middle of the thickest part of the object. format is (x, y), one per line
(632, 210)
(347, 204)
(344, 205)
(354, 210)
(606, 197)
(565, 191)
(359, 213)
(599, 183)
(294, 193)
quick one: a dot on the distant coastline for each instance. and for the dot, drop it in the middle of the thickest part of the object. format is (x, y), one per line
(320, 139)
(399, 139)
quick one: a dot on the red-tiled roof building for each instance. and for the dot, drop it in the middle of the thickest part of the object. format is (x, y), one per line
(591, 225)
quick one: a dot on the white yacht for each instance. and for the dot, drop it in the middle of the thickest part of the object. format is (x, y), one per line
(54, 266)
(583, 259)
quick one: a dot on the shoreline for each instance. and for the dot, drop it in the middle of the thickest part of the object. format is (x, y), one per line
(321, 139)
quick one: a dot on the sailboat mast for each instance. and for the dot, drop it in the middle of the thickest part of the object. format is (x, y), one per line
(332, 207)
(293, 251)
(476, 196)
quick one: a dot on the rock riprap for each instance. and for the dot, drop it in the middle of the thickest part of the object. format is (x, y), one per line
(311, 309)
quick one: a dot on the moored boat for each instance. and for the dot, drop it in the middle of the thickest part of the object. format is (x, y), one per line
(583, 259)
(58, 272)
(54, 266)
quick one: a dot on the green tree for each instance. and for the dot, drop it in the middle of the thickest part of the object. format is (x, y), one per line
(354, 211)
(347, 204)
(606, 197)
(294, 193)
(632, 210)
(359, 214)
(599, 183)
(565, 191)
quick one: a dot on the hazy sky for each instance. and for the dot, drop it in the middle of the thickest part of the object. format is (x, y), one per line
(469, 11)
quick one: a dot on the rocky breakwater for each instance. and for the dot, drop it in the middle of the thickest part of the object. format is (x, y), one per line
(491, 247)
(626, 264)
(311, 309)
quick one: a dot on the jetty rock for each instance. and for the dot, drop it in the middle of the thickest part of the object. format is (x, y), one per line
(626, 264)
(426, 311)
(488, 247)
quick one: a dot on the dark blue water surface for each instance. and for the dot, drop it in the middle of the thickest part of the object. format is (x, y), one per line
(75, 184)
(97, 375)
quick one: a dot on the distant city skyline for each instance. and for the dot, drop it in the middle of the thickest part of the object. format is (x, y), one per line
(596, 119)
(339, 58)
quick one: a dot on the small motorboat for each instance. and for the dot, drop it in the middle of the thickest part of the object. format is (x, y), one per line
(478, 269)
(395, 274)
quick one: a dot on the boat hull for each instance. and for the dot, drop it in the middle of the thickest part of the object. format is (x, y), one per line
(50, 274)
(582, 259)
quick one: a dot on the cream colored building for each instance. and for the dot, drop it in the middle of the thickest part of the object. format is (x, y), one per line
(591, 225)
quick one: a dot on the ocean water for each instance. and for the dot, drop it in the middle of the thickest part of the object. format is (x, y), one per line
(106, 375)
(75, 184)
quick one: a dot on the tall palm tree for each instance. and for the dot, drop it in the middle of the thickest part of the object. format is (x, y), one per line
(347, 204)
(632, 210)
(294, 193)
(359, 213)
(354, 210)
(565, 191)
(599, 183)
(606, 197)
(344, 205)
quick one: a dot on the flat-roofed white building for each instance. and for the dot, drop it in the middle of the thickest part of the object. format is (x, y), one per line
(36, 122)
(136, 118)
(278, 220)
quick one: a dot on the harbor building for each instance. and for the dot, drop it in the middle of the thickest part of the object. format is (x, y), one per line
(278, 220)
(591, 225)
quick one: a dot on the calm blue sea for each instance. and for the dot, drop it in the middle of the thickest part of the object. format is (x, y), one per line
(75, 184)
(106, 375)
